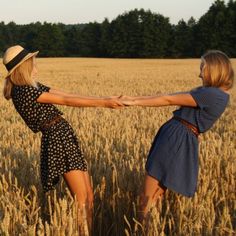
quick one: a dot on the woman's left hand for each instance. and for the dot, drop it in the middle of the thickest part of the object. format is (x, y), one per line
(127, 100)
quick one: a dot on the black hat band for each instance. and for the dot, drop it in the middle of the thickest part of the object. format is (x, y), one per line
(12, 63)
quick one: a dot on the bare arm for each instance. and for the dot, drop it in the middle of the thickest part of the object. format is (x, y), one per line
(132, 98)
(177, 99)
(62, 93)
(61, 98)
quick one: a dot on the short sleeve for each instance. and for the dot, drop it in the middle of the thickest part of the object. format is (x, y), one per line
(204, 96)
(27, 94)
(32, 93)
(43, 87)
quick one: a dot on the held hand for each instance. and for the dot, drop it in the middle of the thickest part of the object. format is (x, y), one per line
(114, 103)
(125, 97)
(127, 100)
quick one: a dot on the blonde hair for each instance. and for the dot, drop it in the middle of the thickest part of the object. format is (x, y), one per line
(217, 70)
(22, 75)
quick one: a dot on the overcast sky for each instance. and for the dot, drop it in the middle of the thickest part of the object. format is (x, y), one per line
(78, 11)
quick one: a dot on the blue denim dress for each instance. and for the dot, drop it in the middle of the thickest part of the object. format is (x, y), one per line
(173, 157)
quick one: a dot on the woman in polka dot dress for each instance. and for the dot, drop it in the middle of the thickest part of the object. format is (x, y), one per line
(60, 150)
(173, 158)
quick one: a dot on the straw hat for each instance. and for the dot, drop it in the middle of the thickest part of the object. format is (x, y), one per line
(15, 56)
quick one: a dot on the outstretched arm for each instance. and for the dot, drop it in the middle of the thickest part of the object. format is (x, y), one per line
(62, 93)
(61, 98)
(177, 99)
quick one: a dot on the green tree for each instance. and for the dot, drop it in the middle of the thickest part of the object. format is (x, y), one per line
(140, 33)
(183, 40)
(2, 38)
(89, 40)
(72, 45)
(11, 34)
(155, 34)
(212, 29)
(133, 34)
(49, 40)
(105, 40)
(231, 28)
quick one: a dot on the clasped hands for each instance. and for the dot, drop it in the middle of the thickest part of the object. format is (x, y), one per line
(119, 101)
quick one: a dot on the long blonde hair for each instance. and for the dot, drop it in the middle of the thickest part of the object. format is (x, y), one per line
(22, 75)
(217, 70)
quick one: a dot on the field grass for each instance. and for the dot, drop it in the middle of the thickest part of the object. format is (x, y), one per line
(115, 144)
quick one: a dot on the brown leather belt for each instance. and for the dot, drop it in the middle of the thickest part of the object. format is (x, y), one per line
(51, 122)
(193, 128)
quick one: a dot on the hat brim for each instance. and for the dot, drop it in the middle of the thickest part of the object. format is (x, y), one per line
(28, 56)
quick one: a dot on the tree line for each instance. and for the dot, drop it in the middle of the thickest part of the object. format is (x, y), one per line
(133, 34)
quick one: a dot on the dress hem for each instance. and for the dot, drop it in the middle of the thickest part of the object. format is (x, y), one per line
(170, 186)
(53, 186)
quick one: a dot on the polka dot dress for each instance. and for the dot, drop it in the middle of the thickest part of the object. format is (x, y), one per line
(60, 149)
(60, 153)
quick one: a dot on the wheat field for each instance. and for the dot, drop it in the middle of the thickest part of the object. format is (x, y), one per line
(115, 144)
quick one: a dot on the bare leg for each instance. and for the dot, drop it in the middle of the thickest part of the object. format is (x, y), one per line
(89, 199)
(152, 192)
(79, 185)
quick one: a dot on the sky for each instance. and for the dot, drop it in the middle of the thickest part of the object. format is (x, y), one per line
(78, 11)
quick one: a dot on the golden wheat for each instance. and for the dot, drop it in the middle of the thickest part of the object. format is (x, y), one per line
(116, 143)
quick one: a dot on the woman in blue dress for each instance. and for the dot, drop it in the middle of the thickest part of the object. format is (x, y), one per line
(172, 162)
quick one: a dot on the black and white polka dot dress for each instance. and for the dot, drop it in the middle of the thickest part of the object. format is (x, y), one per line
(60, 150)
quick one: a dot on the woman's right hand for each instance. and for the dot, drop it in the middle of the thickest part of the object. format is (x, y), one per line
(114, 103)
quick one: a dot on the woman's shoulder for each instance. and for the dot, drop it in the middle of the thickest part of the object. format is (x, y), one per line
(19, 91)
(209, 96)
(22, 88)
(208, 91)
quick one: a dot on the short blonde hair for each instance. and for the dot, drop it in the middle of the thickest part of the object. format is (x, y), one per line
(217, 70)
(22, 75)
